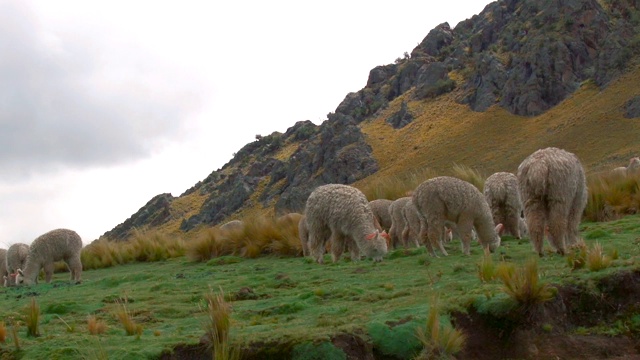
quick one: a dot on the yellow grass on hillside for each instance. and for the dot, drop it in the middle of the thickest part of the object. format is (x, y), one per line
(286, 151)
(182, 208)
(589, 123)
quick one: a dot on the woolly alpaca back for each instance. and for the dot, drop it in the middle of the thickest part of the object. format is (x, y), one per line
(16, 259)
(233, 225)
(380, 209)
(411, 232)
(552, 173)
(342, 211)
(3, 265)
(446, 198)
(303, 233)
(397, 219)
(55, 245)
(634, 166)
(503, 197)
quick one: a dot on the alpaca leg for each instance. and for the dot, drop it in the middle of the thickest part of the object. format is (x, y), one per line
(337, 246)
(558, 226)
(535, 216)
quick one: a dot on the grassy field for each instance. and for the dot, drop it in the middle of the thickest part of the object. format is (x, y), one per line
(290, 301)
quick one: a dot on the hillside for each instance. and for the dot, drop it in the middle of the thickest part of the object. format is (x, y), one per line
(521, 75)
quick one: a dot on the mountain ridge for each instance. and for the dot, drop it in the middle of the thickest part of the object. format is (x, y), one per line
(521, 75)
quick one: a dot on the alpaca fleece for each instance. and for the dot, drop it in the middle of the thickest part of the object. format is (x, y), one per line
(503, 196)
(448, 199)
(56, 245)
(342, 213)
(554, 193)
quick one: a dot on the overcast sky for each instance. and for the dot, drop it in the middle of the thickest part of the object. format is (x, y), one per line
(104, 105)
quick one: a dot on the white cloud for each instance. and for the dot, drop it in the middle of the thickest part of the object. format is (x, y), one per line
(105, 104)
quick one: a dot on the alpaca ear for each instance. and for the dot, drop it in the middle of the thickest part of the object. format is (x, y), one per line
(371, 236)
(386, 237)
(499, 229)
(19, 271)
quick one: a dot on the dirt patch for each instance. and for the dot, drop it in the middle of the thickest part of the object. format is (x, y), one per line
(548, 331)
(354, 346)
(188, 352)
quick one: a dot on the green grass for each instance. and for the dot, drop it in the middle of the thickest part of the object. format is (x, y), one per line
(288, 300)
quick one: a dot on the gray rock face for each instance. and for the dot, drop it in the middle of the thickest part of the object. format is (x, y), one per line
(489, 77)
(632, 108)
(433, 80)
(437, 39)
(155, 212)
(227, 198)
(340, 155)
(401, 118)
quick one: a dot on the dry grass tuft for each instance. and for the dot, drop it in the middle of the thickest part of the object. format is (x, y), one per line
(396, 186)
(486, 268)
(104, 253)
(470, 175)
(126, 319)
(217, 326)
(153, 245)
(96, 326)
(32, 318)
(523, 284)
(594, 257)
(208, 245)
(439, 341)
(612, 196)
(597, 259)
(3, 332)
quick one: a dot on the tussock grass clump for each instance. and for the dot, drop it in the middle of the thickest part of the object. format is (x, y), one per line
(126, 319)
(486, 268)
(439, 341)
(208, 245)
(594, 257)
(217, 325)
(145, 246)
(612, 196)
(32, 318)
(260, 235)
(470, 175)
(153, 245)
(96, 326)
(3, 332)
(14, 335)
(103, 254)
(523, 284)
(395, 187)
(597, 259)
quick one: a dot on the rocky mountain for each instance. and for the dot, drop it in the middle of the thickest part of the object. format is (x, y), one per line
(525, 57)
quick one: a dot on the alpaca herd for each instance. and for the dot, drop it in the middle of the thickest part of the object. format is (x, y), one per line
(22, 263)
(546, 197)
